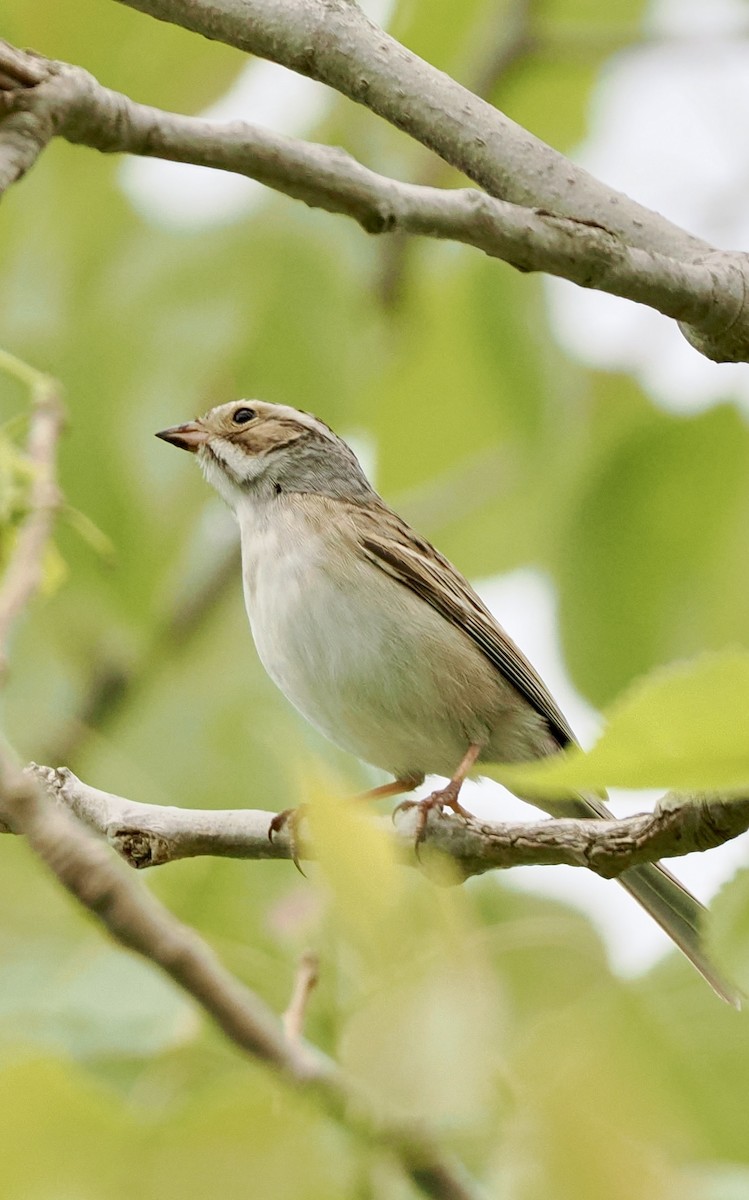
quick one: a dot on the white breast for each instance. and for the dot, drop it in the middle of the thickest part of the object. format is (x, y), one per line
(374, 668)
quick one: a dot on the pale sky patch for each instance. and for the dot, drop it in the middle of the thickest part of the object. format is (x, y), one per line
(182, 196)
(524, 602)
(668, 127)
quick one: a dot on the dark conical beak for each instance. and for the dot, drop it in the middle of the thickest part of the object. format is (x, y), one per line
(188, 437)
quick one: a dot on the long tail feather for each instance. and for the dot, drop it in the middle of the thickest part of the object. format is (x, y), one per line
(681, 916)
(668, 902)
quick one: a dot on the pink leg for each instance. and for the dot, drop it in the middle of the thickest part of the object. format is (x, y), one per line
(446, 797)
(398, 787)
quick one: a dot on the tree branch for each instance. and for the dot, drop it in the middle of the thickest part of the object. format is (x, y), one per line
(305, 981)
(506, 41)
(336, 43)
(148, 835)
(138, 921)
(608, 242)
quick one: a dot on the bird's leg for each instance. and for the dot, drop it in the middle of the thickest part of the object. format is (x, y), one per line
(290, 818)
(446, 797)
(398, 787)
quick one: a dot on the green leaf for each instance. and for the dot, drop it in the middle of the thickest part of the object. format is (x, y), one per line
(83, 1127)
(357, 862)
(431, 1040)
(682, 727)
(55, 570)
(651, 558)
(97, 1002)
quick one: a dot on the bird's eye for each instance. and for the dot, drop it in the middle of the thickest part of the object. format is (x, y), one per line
(243, 415)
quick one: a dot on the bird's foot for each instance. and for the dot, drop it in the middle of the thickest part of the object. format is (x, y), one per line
(446, 797)
(289, 819)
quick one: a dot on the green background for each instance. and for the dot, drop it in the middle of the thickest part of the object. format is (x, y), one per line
(495, 1014)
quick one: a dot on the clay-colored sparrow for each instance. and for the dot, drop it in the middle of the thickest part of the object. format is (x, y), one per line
(376, 638)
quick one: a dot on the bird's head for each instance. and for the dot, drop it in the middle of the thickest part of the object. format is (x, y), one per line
(249, 449)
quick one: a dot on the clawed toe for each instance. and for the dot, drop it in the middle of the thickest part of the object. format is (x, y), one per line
(290, 820)
(445, 798)
(277, 823)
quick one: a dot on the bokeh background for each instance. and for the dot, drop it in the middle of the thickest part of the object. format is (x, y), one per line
(569, 452)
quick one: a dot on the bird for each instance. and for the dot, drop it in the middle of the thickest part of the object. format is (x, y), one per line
(379, 641)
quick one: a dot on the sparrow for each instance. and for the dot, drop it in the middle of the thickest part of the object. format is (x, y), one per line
(378, 640)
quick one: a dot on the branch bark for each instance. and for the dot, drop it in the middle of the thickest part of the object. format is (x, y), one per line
(305, 981)
(138, 921)
(508, 40)
(336, 43)
(576, 228)
(148, 835)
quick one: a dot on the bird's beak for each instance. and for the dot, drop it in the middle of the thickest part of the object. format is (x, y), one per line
(188, 437)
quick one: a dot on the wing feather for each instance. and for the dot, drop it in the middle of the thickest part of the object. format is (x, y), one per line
(395, 548)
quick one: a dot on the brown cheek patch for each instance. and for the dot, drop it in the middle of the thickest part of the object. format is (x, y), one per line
(267, 435)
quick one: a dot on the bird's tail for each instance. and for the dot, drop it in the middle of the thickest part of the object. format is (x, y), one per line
(668, 902)
(681, 916)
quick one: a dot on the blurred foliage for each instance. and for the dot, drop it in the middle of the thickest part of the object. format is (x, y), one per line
(680, 728)
(15, 476)
(492, 1012)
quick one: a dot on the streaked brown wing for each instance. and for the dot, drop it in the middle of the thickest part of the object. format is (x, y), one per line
(393, 546)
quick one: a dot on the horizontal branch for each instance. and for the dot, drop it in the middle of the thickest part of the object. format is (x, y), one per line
(705, 293)
(335, 42)
(148, 835)
(137, 920)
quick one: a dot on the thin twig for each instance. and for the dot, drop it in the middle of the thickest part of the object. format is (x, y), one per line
(25, 571)
(305, 982)
(138, 921)
(113, 683)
